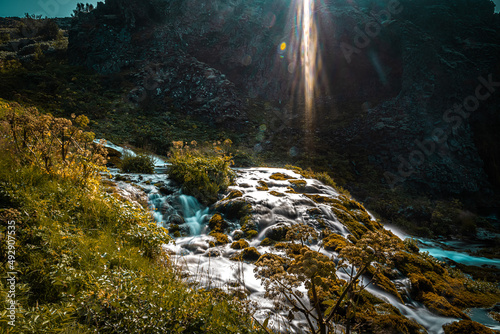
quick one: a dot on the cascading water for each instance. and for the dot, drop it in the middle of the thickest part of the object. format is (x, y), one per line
(194, 214)
(272, 208)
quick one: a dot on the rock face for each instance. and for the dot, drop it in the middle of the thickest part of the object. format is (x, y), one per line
(409, 72)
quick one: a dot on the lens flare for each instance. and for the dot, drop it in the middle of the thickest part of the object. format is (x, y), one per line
(283, 46)
(307, 43)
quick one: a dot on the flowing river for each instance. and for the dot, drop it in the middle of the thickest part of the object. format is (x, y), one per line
(212, 267)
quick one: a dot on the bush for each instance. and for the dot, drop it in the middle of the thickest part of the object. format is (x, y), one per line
(4, 37)
(137, 164)
(203, 172)
(47, 29)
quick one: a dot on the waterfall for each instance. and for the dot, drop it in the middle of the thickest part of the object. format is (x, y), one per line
(195, 215)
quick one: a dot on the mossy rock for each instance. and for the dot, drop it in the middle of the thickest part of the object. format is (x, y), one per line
(277, 232)
(314, 212)
(240, 244)
(394, 324)
(409, 263)
(276, 193)
(298, 183)
(238, 234)
(387, 285)
(250, 234)
(262, 186)
(235, 209)
(439, 304)
(217, 223)
(267, 242)
(220, 238)
(173, 228)
(420, 284)
(466, 326)
(281, 245)
(357, 229)
(281, 177)
(233, 194)
(250, 254)
(334, 242)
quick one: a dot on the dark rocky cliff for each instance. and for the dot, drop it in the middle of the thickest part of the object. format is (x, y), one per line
(406, 82)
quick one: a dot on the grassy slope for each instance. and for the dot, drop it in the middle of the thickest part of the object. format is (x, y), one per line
(86, 260)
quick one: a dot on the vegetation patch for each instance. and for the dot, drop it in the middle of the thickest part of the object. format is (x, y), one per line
(334, 242)
(262, 186)
(280, 177)
(276, 193)
(220, 238)
(250, 254)
(267, 242)
(240, 244)
(137, 164)
(233, 194)
(466, 326)
(298, 183)
(202, 171)
(217, 223)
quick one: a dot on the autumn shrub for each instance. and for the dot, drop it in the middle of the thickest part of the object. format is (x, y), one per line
(202, 171)
(141, 163)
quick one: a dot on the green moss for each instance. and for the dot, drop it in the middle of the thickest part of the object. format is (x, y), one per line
(280, 177)
(277, 232)
(386, 284)
(240, 244)
(281, 245)
(314, 211)
(217, 223)
(263, 186)
(441, 306)
(251, 234)
(357, 229)
(420, 284)
(233, 194)
(220, 238)
(234, 209)
(393, 324)
(298, 183)
(334, 242)
(466, 326)
(250, 254)
(267, 242)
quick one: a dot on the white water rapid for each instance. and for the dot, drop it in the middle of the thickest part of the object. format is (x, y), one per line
(272, 207)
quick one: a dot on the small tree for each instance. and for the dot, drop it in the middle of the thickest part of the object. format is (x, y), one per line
(327, 294)
(54, 144)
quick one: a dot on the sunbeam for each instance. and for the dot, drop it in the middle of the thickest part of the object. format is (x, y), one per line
(308, 45)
